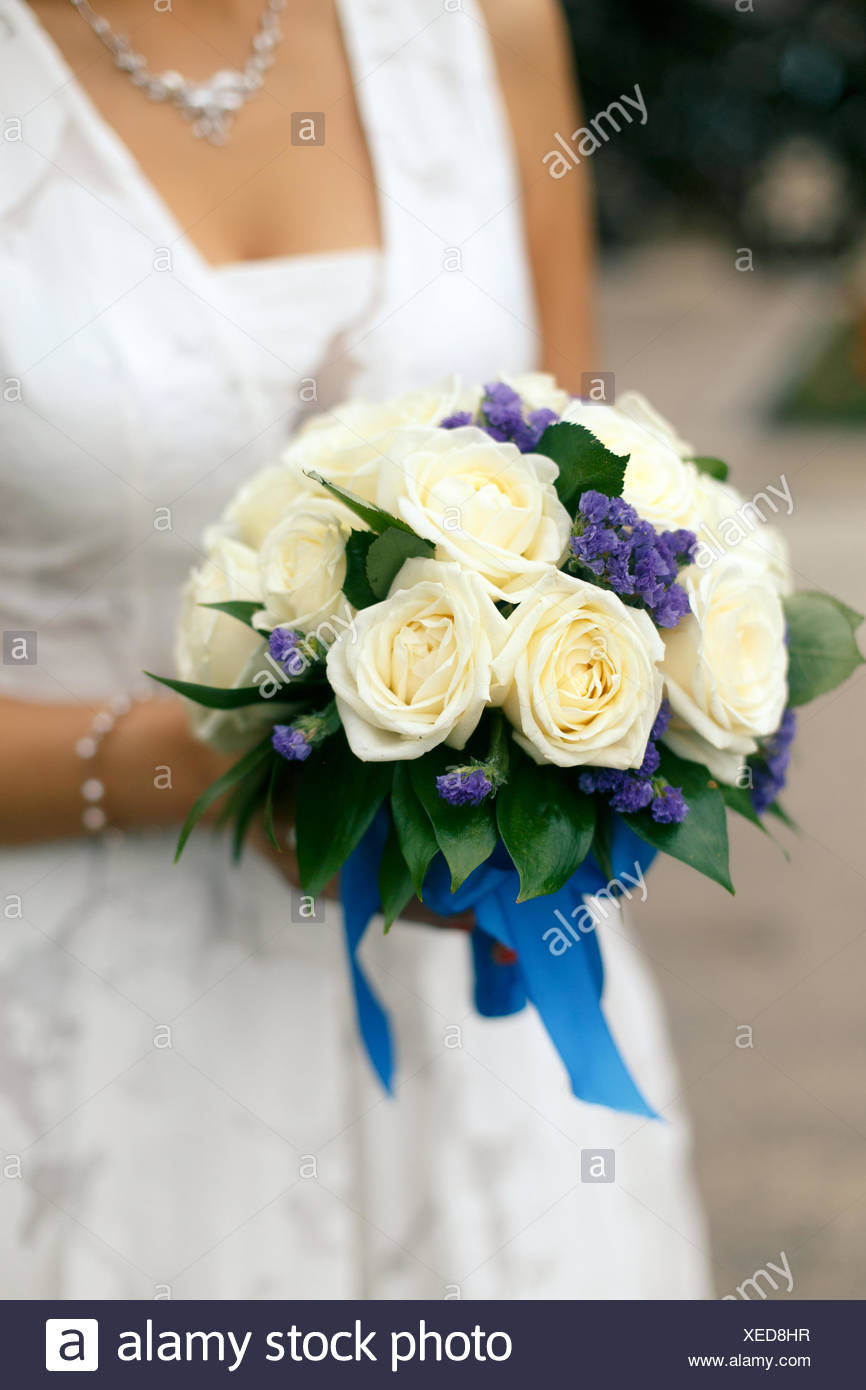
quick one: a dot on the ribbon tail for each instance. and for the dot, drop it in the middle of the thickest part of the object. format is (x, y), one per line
(359, 894)
(566, 991)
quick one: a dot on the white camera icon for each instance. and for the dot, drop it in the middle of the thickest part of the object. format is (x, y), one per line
(71, 1344)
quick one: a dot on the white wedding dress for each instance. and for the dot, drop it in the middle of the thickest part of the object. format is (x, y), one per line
(255, 1156)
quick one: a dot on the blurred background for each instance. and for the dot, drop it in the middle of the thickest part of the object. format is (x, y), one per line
(753, 156)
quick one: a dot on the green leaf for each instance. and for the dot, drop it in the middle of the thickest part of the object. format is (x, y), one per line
(822, 652)
(338, 796)
(714, 467)
(413, 825)
(245, 765)
(377, 519)
(602, 840)
(546, 826)
(226, 812)
(276, 770)
(356, 585)
(242, 609)
(702, 838)
(738, 799)
(584, 463)
(387, 554)
(466, 835)
(395, 881)
(250, 801)
(220, 697)
(778, 810)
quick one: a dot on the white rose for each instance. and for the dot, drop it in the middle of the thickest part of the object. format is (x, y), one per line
(484, 505)
(349, 444)
(728, 522)
(660, 485)
(726, 665)
(302, 564)
(262, 501)
(212, 648)
(537, 390)
(416, 670)
(637, 408)
(578, 675)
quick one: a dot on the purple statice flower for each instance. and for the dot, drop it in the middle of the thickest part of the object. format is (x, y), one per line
(501, 416)
(530, 430)
(651, 759)
(455, 421)
(464, 786)
(595, 508)
(501, 411)
(671, 606)
(662, 719)
(283, 643)
(769, 766)
(294, 652)
(668, 806)
(637, 788)
(468, 784)
(291, 743)
(627, 792)
(611, 543)
(632, 795)
(297, 740)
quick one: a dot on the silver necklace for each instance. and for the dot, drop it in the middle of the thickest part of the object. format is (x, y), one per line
(211, 105)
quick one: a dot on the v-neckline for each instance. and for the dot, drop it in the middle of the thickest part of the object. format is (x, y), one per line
(116, 149)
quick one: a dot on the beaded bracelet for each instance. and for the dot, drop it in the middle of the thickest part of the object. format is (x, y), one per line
(93, 818)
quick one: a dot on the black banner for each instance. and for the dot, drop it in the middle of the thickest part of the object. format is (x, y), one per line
(426, 1344)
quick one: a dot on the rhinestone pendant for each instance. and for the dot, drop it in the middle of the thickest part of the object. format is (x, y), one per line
(211, 106)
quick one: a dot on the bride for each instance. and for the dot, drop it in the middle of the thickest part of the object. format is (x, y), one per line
(355, 205)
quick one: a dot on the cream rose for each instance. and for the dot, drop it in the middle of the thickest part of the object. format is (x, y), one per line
(349, 445)
(416, 670)
(660, 485)
(263, 501)
(726, 665)
(484, 505)
(578, 675)
(637, 408)
(302, 564)
(727, 522)
(213, 649)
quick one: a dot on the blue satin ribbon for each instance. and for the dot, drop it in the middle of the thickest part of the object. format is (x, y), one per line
(564, 987)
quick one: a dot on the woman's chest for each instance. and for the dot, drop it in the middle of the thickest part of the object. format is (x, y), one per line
(294, 174)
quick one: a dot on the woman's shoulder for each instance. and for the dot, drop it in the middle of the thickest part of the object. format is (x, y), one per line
(532, 49)
(528, 27)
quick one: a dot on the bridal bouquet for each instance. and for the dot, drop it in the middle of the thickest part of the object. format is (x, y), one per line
(508, 645)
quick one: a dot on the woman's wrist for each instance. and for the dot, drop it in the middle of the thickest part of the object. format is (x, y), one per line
(151, 767)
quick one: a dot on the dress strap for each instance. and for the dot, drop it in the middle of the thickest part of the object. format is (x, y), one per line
(442, 155)
(31, 116)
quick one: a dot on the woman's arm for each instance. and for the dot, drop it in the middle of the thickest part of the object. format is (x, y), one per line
(533, 56)
(41, 777)
(150, 765)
